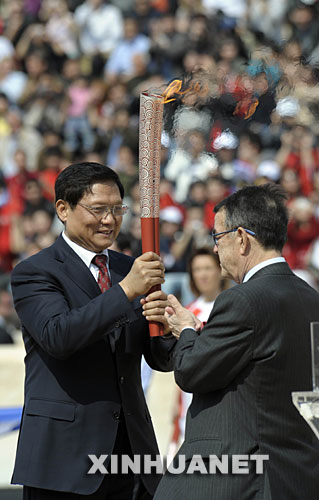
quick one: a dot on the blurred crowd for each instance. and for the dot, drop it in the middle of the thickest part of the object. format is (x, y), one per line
(71, 72)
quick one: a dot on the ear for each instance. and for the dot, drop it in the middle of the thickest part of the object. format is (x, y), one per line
(62, 209)
(244, 241)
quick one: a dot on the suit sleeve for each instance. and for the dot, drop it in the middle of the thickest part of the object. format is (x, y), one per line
(211, 360)
(159, 353)
(43, 310)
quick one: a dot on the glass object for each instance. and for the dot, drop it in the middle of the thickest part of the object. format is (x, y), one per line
(307, 403)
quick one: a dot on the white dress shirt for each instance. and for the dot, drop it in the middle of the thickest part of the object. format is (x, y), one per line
(259, 266)
(87, 256)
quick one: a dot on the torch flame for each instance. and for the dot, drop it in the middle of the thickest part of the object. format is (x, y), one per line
(175, 89)
(199, 87)
(246, 107)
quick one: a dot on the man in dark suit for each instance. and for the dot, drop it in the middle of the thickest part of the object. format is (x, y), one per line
(83, 393)
(244, 364)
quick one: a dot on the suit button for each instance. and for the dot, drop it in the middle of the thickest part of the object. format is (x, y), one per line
(116, 415)
(121, 380)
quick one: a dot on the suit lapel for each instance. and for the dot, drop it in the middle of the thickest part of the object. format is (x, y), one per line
(75, 269)
(116, 270)
(78, 272)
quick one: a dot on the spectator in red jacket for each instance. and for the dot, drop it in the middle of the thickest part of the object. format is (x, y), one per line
(303, 229)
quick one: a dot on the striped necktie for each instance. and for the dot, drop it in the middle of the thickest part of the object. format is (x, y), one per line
(103, 280)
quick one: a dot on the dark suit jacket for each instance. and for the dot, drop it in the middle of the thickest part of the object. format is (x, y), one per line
(253, 352)
(83, 353)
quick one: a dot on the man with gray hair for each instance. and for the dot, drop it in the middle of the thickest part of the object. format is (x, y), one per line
(244, 364)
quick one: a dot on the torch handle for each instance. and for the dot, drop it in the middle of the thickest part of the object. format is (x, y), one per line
(150, 243)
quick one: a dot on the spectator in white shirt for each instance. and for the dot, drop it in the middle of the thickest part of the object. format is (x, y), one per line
(100, 25)
(121, 62)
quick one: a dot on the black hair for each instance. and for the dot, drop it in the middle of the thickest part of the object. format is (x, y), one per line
(261, 209)
(53, 151)
(3, 184)
(253, 138)
(77, 179)
(123, 242)
(33, 180)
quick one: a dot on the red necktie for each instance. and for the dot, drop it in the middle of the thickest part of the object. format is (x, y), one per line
(103, 280)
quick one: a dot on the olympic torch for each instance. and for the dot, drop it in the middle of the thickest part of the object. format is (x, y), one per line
(150, 130)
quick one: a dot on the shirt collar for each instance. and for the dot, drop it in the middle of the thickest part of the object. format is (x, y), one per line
(83, 253)
(259, 266)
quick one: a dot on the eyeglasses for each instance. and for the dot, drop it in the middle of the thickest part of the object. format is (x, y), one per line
(104, 211)
(217, 236)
